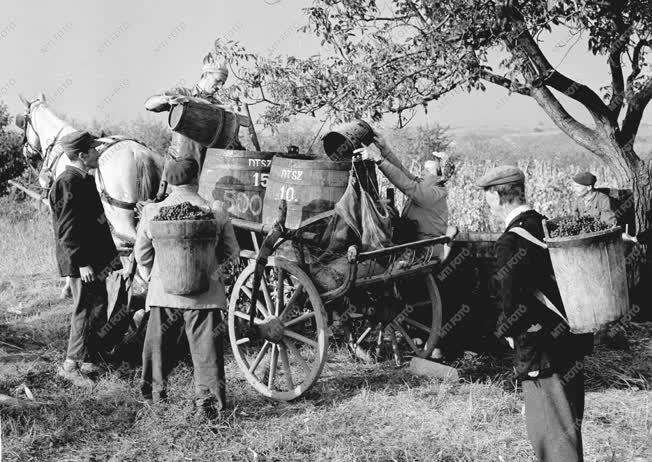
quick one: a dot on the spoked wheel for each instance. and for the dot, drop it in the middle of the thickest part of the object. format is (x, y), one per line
(283, 357)
(416, 327)
(419, 324)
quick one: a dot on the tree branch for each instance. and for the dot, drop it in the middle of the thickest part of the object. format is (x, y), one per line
(521, 40)
(635, 109)
(636, 65)
(427, 98)
(505, 82)
(615, 66)
(579, 132)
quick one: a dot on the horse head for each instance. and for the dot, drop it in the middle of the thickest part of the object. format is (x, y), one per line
(41, 130)
(32, 149)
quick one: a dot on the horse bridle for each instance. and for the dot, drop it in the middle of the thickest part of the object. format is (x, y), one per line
(33, 150)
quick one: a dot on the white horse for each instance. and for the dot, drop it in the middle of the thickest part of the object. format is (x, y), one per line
(128, 170)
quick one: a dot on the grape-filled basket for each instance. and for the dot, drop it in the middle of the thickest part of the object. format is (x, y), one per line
(588, 258)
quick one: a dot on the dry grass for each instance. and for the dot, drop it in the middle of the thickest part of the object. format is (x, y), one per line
(355, 412)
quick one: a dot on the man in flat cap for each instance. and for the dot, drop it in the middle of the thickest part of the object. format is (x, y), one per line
(198, 313)
(213, 77)
(549, 359)
(591, 201)
(85, 251)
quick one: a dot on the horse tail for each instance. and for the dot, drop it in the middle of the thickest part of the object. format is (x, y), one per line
(149, 168)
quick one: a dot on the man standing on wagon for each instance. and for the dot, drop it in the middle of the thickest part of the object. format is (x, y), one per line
(85, 251)
(549, 359)
(213, 77)
(198, 313)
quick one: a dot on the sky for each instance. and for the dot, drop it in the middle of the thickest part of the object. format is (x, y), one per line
(101, 60)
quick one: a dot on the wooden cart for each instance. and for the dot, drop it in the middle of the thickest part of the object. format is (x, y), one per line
(279, 322)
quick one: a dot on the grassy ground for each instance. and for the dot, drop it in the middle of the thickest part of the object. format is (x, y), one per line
(355, 412)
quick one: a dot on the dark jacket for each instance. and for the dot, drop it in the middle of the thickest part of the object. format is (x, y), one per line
(81, 229)
(524, 267)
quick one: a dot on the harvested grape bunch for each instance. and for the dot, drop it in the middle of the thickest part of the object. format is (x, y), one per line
(573, 226)
(183, 211)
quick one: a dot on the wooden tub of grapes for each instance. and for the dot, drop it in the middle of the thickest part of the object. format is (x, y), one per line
(184, 238)
(588, 259)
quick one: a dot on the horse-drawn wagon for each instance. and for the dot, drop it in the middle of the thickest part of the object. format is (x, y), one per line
(283, 307)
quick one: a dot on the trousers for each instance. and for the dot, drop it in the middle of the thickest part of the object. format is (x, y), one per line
(204, 329)
(88, 316)
(554, 409)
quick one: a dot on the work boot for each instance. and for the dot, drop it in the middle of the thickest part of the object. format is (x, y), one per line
(69, 370)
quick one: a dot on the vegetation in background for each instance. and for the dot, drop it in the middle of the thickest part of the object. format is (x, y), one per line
(12, 162)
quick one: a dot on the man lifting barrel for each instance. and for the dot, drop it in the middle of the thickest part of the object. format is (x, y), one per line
(427, 206)
(213, 77)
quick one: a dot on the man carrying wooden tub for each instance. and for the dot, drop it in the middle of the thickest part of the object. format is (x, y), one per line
(549, 360)
(199, 313)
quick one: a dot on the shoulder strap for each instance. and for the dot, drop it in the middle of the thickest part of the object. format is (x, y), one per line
(522, 232)
(525, 234)
(548, 304)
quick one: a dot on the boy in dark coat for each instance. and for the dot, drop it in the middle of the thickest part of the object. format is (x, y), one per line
(549, 359)
(85, 251)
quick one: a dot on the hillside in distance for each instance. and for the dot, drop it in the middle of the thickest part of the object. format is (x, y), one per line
(541, 143)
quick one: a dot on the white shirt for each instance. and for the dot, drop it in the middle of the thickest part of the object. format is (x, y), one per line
(516, 212)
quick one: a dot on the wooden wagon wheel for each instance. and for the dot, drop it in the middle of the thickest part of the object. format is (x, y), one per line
(417, 324)
(291, 327)
(421, 318)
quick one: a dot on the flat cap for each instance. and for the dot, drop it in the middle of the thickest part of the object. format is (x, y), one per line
(585, 178)
(505, 174)
(78, 141)
(181, 171)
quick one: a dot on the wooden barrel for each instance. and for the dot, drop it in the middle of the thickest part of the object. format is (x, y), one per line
(229, 133)
(309, 187)
(185, 254)
(340, 143)
(201, 122)
(592, 278)
(237, 179)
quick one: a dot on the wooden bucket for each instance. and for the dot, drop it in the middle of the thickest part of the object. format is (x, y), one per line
(185, 254)
(340, 143)
(237, 179)
(229, 133)
(592, 278)
(201, 122)
(309, 187)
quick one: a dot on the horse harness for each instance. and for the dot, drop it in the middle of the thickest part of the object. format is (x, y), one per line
(50, 166)
(112, 201)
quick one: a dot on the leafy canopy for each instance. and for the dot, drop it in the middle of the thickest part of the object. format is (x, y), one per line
(397, 55)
